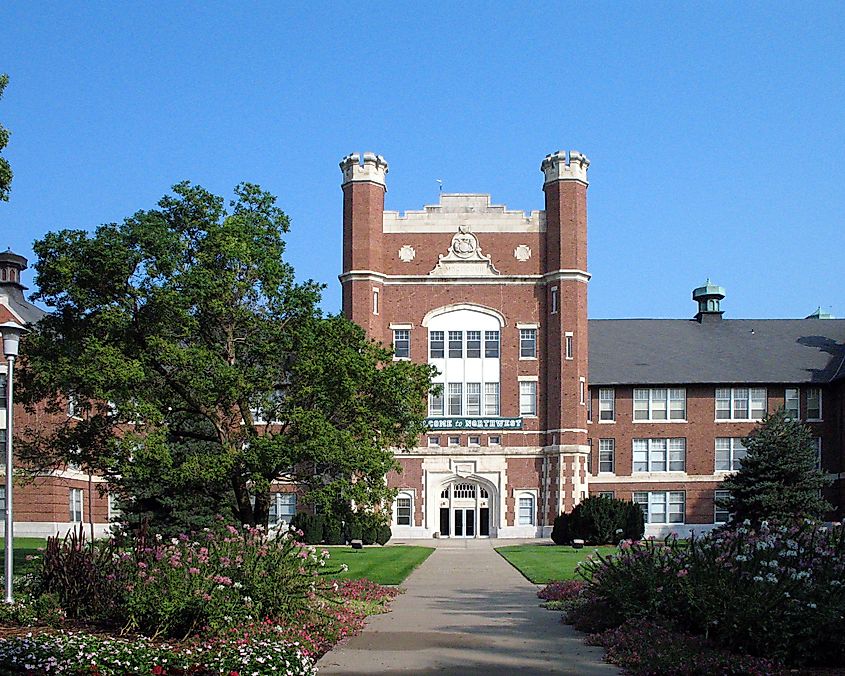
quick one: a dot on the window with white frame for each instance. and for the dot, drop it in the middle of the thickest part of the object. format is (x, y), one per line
(435, 402)
(456, 344)
(473, 344)
(607, 494)
(436, 345)
(491, 399)
(404, 507)
(792, 403)
(2, 390)
(455, 441)
(729, 453)
(494, 440)
(282, 508)
(464, 348)
(569, 346)
(526, 509)
(463, 491)
(433, 442)
(607, 404)
(491, 344)
(740, 403)
(582, 391)
(375, 301)
(660, 455)
(474, 441)
(607, 456)
(662, 506)
(2, 447)
(402, 343)
(473, 407)
(2, 498)
(527, 343)
(814, 403)
(456, 398)
(528, 397)
(76, 505)
(660, 403)
(720, 514)
(554, 300)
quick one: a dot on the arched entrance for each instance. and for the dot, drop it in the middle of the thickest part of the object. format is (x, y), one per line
(466, 509)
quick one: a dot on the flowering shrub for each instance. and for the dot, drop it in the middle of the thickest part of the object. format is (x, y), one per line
(645, 648)
(27, 611)
(216, 578)
(87, 654)
(562, 591)
(776, 592)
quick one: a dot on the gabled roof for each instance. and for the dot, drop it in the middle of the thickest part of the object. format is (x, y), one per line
(12, 297)
(676, 351)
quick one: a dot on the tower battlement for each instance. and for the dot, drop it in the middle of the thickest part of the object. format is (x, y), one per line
(372, 169)
(565, 166)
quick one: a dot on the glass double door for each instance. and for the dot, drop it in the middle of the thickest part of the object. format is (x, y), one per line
(462, 523)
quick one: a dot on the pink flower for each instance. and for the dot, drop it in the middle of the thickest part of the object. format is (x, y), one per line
(683, 572)
(142, 565)
(193, 571)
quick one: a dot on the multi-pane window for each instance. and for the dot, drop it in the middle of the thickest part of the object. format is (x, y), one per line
(526, 510)
(2, 498)
(740, 403)
(456, 344)
(435, 402)
(720, 514)
(403, 510)
(2, 390)
(607, 403)
(473, 344)
(282, 508)
(660, 403)
(607, 455)
(455, 398)
(660, 455)
(814, 403)
(402, 343)
(729, 453)
(491, 398)
(792, 403)
(662, 506)
(491, 344)
(2, 447)
(76, 505)
(527, 343)
(528, 397)
(463, 491)
(473, 399)
(435, 345)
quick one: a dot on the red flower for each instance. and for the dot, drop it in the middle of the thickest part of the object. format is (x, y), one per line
(158, 670)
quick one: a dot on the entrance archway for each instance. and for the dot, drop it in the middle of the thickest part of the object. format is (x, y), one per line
(466, 509)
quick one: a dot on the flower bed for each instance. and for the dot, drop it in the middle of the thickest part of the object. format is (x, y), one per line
(775, 593)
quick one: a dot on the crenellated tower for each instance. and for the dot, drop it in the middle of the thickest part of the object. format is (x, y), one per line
(565, 186)
(364, 185)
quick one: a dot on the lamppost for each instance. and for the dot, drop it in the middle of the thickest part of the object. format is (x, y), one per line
(11, 340)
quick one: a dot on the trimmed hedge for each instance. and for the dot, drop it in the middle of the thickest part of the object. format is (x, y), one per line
(600, 520)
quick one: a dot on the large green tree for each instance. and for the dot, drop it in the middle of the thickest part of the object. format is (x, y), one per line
(5, 168)
(195, 359)
(778, 479)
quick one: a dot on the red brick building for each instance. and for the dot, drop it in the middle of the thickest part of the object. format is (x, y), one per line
(522, 428)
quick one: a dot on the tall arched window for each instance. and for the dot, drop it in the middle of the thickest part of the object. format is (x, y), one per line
(404, 510)
(464, 345)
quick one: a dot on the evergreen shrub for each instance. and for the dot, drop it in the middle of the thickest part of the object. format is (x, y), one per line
(600, 520)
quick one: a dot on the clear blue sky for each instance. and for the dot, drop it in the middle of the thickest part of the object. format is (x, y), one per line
(716, 131)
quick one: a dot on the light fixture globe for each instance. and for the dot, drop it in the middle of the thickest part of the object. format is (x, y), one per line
(12, 333)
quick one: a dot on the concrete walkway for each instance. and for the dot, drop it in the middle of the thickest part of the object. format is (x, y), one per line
(466, 611)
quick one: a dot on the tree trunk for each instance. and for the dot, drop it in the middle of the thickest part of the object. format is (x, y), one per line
(245, 512)
(261, 511)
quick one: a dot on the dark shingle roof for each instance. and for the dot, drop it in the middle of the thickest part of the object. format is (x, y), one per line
(19, 305)
(675, 351)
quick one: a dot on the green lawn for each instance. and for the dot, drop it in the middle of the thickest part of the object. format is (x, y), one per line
(23, 548)
(385, 565)
(545, 563)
